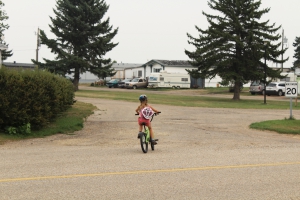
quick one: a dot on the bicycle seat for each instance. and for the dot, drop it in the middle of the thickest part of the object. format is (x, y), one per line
(143, 123)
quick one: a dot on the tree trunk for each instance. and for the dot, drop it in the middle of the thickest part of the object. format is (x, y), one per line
(237, 89)
(76, 79)
(75, 84)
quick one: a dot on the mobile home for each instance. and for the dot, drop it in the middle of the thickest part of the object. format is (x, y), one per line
(169, 80)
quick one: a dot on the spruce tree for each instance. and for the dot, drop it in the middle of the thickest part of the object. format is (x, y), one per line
(3, 16)
(235, 43)
(296, 44)
(83, 38)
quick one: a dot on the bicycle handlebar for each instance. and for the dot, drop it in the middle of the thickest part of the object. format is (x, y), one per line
(154, 113)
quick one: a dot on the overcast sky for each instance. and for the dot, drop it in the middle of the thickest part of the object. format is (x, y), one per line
(148, 29)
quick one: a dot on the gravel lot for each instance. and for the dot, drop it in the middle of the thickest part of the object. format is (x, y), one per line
(203, 153)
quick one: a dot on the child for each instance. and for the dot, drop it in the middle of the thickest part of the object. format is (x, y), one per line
(145, 118)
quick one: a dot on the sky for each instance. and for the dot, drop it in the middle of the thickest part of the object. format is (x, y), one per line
(148, 29)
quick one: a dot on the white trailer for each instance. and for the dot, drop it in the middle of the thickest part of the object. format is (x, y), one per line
(169, 80)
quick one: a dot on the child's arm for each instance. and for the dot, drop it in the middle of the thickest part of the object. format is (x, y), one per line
(156, 111)
(137, 110)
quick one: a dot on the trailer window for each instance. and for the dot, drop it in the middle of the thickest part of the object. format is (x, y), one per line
(184, 79)
(153, 78)
(161, 79)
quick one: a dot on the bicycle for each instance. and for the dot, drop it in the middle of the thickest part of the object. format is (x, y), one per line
(145, 137)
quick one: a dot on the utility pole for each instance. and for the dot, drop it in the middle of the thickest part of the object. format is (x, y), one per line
(37, 44)
(282, 50)
(265, 75)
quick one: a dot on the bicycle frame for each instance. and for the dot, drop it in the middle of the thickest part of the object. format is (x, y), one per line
(147, 132)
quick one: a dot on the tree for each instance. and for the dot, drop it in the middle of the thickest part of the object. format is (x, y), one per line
(83, 38)
(296, 44)
(3, 16)
(233, 46)
(104, 72)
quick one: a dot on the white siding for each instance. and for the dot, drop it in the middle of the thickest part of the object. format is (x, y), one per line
(213, 82)
(148, 71)
(128, 73)
(133, 72)
(181, 70)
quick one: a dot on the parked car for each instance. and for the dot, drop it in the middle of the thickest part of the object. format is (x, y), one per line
(257, 87)
(277, 88)
(137, 83)
(113, 83)
(122, 83)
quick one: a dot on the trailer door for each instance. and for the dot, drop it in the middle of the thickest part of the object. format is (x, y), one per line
(162, 81)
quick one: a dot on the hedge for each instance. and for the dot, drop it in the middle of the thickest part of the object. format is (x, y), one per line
(32, 97)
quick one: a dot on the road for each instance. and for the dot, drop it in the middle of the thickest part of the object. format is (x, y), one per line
(203, 153)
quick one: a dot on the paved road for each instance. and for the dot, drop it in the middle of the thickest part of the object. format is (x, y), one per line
(203, 153)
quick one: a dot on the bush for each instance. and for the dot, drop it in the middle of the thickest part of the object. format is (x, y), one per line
(32, 97)
(21, 130)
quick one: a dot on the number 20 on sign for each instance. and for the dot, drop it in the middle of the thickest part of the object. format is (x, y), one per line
(291, 89)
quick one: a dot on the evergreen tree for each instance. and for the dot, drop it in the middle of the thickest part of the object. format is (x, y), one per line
(3, 16)
(234, 45)
(104, 72)
(83, 38)
(296, 44)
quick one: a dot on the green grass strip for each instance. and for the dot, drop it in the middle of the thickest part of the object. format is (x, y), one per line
(181, 100)
(287, 126)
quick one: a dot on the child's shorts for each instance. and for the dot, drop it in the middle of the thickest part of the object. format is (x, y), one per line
(143, 120)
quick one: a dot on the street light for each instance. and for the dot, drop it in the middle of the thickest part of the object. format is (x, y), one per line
(2, 47)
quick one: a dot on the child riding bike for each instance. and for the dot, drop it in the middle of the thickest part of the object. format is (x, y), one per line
(145, 112)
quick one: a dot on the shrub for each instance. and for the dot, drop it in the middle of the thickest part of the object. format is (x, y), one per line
(21, 130)
(32, 97)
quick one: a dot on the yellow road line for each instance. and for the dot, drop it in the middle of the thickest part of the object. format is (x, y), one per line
(149, 171)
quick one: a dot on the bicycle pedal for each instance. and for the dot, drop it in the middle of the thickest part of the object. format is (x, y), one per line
(155, 139)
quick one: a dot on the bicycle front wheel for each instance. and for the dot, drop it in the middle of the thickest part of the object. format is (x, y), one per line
(144, 144)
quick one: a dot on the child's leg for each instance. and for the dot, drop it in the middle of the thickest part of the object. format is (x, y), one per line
(140, 125)
(151, 131)
(140, 131)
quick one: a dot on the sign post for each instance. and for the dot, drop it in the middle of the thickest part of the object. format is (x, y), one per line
(291, 90)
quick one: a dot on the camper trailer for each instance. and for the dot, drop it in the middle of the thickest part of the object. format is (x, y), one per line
(169, 80)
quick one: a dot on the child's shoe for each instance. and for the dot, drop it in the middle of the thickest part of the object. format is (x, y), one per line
(153, 141)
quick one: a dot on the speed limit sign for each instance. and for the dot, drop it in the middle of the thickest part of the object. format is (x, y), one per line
(291, 89)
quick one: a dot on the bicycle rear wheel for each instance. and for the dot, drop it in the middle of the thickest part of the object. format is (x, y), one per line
(144, 144)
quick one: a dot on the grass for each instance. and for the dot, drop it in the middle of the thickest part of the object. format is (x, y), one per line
(286, 126)
(186, 100)
(68, 122)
